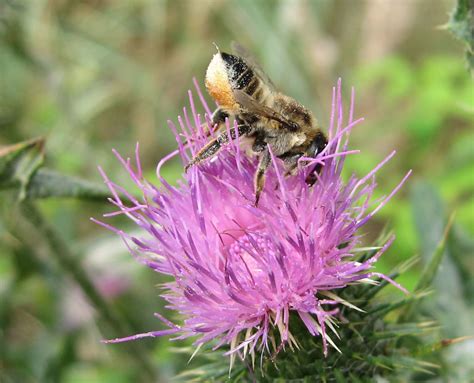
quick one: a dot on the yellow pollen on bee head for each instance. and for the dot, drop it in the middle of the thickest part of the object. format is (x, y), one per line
(218, 84)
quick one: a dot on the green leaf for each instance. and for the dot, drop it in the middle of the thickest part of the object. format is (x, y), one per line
(427, 349)
(430, 270)
(461, 246)
(448, 282)
(428, 215)
(19, 162)
(20, 168)
(47, 183)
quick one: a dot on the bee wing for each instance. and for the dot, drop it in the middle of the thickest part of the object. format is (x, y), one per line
(251, 105)
(239, 50)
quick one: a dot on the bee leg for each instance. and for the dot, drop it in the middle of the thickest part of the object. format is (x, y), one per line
(213, 146)
(259, 144)
(317, 146)
(260, 174)
(219, 116)
(291, 163)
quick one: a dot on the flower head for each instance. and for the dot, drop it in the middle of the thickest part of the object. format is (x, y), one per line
(240, 270)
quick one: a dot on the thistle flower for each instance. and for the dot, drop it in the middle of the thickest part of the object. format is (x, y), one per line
(240, 270)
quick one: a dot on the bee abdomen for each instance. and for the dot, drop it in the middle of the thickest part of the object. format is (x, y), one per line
(240, 74)
(252, 86)
(227, 73)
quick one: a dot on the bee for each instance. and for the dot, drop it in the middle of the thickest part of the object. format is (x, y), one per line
(269, 118)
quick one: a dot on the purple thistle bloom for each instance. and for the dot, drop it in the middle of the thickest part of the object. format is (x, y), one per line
(239, 270)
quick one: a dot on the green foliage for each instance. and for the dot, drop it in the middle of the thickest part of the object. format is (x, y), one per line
(461, 25)
(433, 113)
(18, 164)
(21, 168)
(450, 304)
(438, 89)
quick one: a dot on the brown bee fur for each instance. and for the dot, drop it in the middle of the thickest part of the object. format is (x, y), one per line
(264, 115)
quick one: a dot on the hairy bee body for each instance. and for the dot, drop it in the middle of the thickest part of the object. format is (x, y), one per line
(264, 115)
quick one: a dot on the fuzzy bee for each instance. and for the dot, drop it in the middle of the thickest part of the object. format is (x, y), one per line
(263, 114)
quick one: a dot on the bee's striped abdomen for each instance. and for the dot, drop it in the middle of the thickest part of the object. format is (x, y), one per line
(240, 74)
(228, 72)
(252, 86)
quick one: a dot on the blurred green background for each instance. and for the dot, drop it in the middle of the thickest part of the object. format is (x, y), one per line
(89, 76)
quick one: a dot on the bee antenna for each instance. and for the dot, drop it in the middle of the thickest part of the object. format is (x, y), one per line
(218, 50)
